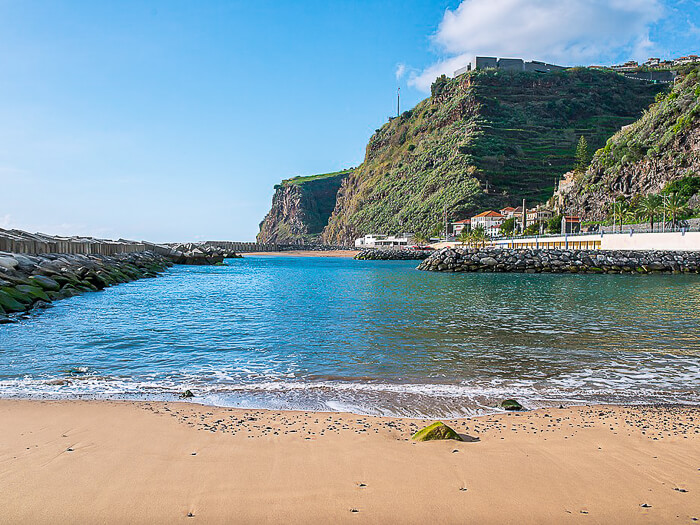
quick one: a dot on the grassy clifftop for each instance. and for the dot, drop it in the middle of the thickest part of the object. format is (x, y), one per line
(485, 139)
(660, 147)
(303, 179)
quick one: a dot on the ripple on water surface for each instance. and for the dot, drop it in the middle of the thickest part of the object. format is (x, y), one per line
(365, 336)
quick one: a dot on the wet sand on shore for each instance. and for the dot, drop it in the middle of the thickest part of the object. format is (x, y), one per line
(308, 253)
(158, 462)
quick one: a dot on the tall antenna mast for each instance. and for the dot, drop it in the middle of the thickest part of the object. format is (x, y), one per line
(398, 101)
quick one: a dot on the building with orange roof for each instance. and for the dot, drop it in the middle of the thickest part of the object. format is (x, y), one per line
(490, 221)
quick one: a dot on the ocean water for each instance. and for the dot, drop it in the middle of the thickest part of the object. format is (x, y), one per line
(370, 337)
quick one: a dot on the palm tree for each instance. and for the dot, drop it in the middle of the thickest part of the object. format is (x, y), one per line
(464, 236)
(421, 238)
(676, 208)
(620, 210)
(650, 207)
(478, 236)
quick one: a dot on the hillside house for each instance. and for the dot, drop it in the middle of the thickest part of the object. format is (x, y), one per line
(459, 226)
(570, 224)
(507, 212)
(630, 65)
(490, 221)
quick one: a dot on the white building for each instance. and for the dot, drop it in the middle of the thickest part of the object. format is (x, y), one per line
(490, 221)
(459, 226)
(383, 241)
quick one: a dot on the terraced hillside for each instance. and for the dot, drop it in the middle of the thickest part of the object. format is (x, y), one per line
(661, 147)
(300, 208)
(485, 139)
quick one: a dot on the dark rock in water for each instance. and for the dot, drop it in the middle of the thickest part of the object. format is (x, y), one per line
(186, 394)
(35, 281)
(9, 304)
(45, 282)
(78, 370)
(33, 291)
(511, 404)
(17, 295)
(436, 431)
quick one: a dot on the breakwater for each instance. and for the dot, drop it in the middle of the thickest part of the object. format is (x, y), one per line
(393, 255)
(18, 241)
(560, 261)
(28, 282)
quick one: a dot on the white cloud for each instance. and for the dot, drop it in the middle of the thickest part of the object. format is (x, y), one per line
(400, 71)
(566, 32)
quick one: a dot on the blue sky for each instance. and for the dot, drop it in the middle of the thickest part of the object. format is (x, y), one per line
(173, 120)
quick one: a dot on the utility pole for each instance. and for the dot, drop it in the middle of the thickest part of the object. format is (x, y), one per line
(398, 101)
(445, 213)
(524, 217)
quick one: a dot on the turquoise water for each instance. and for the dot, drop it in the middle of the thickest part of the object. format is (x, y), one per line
(374, 337)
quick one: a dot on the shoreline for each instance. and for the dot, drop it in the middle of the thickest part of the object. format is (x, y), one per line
(307, 253)
(158, 462)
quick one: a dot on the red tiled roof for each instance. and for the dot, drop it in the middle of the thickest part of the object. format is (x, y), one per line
(465, 221)
(489, 213)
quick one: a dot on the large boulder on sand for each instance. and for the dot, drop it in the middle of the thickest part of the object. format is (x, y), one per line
(511, 404)
(436, 431)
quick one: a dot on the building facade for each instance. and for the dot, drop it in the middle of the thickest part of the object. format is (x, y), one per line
(384, 241)
(490, 221)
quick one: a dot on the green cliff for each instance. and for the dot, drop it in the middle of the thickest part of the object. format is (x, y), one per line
(300, 208)
(485, 139)
(644, 157)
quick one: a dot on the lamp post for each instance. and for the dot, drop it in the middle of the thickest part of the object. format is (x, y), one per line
(663, 198)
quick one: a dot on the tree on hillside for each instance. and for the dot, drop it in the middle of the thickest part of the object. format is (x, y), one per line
(508, 226)
(554, 224)
(685, 187)
(438, 86)
(582, 157)
(649, 208)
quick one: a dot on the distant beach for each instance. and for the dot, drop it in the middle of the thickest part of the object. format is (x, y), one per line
(308, 253)
(140, 462)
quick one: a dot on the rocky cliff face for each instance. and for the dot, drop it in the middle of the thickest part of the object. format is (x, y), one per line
(485, 139)
(300, 209)
(662, 146)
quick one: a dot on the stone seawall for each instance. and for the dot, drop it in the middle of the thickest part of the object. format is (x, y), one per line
(393, 255)
(28, 282)
(561, 261)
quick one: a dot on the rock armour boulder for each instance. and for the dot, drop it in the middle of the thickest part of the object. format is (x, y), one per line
(560, 261)
(393, 255)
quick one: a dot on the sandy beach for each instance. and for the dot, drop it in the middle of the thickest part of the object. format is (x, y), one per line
(147, 462)
(309, 253)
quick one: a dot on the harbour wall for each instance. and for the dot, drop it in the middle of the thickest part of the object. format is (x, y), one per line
(561, 261)
(33, 281)
(17, 241)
